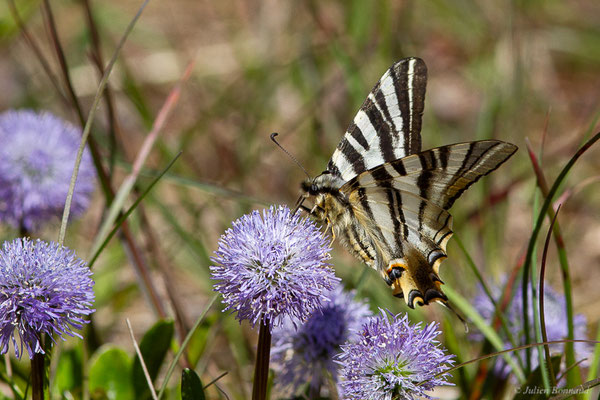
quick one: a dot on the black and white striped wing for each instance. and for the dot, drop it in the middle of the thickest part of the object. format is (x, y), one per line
(388, 125)
(408, 199)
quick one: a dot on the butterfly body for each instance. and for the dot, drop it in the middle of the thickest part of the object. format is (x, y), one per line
(385, 199)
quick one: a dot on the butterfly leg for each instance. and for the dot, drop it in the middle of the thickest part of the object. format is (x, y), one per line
(330, 228)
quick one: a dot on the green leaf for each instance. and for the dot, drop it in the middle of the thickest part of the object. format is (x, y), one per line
(68, 372)
(109, 374)
(191, 386)
(154, 347)
(533, 388)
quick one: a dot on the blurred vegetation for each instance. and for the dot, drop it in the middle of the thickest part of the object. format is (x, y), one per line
(497, 69)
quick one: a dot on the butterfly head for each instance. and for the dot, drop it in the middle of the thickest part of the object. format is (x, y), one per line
(325, 191)
(324, 183)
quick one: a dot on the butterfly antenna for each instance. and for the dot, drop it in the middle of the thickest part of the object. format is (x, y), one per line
(273, 135)
(460, 317)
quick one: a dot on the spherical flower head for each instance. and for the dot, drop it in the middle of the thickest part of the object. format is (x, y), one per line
(393, 359)
(303, 353)
(271, 266)
(37, 157)
(555, 314)
(44, 289)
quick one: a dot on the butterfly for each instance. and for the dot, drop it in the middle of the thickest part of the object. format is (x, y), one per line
(386, 199)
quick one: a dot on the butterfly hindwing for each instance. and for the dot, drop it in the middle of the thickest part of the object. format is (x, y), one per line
(439, 175)
(388, 125)
(406, 203)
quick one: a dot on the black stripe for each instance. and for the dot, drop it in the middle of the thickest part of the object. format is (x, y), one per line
(395, 210)
(357, 134)
(362, 246)
(434, 255)
(394, 202)
(353, 156)
(400, 85)
(445, 225)
(444, 153)
(432, 160)
(381, 176)
(401, 215)
(418, 91)
(423, 184)
(399, 167)
(364, 202)
(425, 176)
(421, 214)
(439, 242)
(380, 100)
(457, 175)
(382, 130)
(460, 173)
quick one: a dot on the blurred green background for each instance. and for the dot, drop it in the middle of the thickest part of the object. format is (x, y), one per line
(497, 69)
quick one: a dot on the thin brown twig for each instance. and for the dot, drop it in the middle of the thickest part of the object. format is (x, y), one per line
(522, 347)
(570, 367)
(543, 185)
(74, 100)
(98, 60)
(60, 55)
(568, 392)
(36, 50)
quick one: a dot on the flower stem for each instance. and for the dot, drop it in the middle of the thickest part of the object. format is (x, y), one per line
(37, 376)
(261, 368)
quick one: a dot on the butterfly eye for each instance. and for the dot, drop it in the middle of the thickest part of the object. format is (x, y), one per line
(314, 189)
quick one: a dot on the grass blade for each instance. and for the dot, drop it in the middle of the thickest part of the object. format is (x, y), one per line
(118, 223)
(550, 370)
(88, 124)
(572, 377)
(144, 152)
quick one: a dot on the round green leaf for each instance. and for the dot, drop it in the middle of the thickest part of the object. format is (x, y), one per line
(110, 374)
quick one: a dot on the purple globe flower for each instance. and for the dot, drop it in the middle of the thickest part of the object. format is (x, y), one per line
(37, 157)
(44, 289)
(555, 313)
(272, 266)
(393, 360)
(305, 353)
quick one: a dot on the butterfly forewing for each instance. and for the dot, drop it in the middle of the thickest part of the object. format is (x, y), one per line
(388, 125)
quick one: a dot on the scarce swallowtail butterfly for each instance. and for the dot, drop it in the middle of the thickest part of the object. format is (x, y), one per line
(385, 198)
